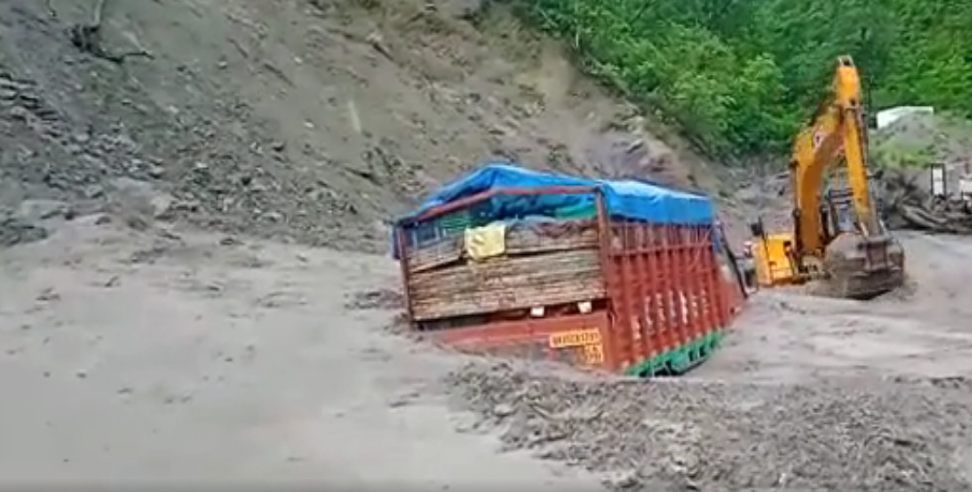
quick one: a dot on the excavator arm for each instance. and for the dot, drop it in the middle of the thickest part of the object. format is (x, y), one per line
(838, 130)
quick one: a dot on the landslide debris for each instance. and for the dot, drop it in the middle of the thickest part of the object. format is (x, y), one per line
(310, 121)
(691, 435)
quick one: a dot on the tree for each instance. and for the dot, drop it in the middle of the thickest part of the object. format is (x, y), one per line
(740, 75)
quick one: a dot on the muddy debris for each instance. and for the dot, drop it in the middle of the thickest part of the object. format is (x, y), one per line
(244, 154)
(907, 205)
(682, 435)
(401, 326)
(14, 231)
(383, 299)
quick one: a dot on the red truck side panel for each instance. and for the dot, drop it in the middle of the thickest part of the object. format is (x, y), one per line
(666, 296)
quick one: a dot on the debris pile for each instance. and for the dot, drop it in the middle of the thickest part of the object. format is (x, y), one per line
(683, 435)
(908, 205)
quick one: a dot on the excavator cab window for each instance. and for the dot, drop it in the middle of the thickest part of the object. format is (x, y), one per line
(843, 219)
(837, 212)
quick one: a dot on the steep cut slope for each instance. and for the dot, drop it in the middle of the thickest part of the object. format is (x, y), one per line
(313, 120)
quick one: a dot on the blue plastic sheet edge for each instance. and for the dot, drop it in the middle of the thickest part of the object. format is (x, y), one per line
(629, 199)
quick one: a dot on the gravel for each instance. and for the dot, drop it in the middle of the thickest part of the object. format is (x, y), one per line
(680, 434)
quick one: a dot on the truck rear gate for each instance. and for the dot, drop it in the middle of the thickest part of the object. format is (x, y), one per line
(578, 271)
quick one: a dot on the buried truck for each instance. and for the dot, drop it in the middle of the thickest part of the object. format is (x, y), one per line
(624, 276)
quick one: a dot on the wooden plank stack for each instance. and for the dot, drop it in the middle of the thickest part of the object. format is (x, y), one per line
(546, 263)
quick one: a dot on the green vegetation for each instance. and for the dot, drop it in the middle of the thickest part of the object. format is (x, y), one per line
(740, 76)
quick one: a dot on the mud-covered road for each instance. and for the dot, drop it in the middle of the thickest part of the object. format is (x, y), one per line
(175, 357)
(922, 330)
(808, 393)
(170, 355)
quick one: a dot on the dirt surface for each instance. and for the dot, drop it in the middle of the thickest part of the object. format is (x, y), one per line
(168, 356)
(192, 356)
(921, 330)
(807, 394)
(702, 435)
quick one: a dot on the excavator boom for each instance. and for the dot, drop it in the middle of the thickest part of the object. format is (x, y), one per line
(857, 257)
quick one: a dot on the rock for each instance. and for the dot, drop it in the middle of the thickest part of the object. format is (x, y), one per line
(93, 191)
(48, 294)
(272, 217)
(36, 210)
(399, 402)
(19, 113)
(624, 480)
(462, 9)
(14, 231)
(278, 146)
(135, 165)
(161, 204)
(503, 410)
(156, 172)
(187, 205)
(133, 197)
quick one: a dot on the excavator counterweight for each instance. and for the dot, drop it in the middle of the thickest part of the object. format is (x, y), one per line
(837, 237)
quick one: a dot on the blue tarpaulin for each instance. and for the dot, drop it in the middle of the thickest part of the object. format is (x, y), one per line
(627, 199)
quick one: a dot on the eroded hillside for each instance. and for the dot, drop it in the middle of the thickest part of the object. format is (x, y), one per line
(313, 120)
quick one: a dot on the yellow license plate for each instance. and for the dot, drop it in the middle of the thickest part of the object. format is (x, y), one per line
(593, 355)
(576, 338)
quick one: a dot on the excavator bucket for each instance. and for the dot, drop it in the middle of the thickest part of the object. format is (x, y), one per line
(859, 267)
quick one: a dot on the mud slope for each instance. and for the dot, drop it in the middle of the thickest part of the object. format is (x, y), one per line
(304, 119)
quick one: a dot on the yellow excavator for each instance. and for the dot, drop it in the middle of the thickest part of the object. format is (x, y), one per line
(837, 238)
